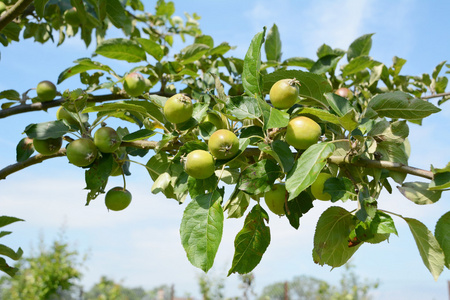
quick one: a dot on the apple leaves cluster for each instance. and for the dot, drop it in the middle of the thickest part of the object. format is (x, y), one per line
(364, 143)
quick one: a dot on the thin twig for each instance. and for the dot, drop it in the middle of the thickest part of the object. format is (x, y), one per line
(435, 96)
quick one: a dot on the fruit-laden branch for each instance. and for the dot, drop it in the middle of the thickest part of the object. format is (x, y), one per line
(13, 12)
(57, 102)
(249, 152)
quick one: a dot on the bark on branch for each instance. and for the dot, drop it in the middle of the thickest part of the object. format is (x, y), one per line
(18, 109)
(13, 12)
(250, 152)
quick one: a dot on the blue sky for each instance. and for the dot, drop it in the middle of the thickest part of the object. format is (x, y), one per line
(141, 245)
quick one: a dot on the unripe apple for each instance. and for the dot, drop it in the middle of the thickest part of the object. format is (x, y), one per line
(199, 164)
(318, 185)
(178, 109)
(134, 84)
(284, 93)
(117, 198)
(302, 132)
(275, 198)
(46, 91)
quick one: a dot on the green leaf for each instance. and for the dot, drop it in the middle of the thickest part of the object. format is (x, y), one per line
(243, 107)
(97, 176)
(259, 177)
(81, 10)
(12, 31)
(312, 86)
(399, 105)
(356, 65)
(437, 70)
(205, 40)
(298, 207)
(152, 48)
(418, 192)
(116, 13)
(220, 50)
(251, 77)
(201, 229)
(6, 220)
(193, 53)
(121, 49)
(338, 104)
(443, 237)
(251, 242)
(281, 152)
(325, 64)
(84, 64)
(383, 223)
(274, 118)
(46, 130)
(24, 149)
(39, 6)
(360, 46)
(11, 271)
(141, 134)
(367, 206)
(117, 106)
(397, 66)
(299, 62)
(441, 178)
(340, 188)
(273, 44)
(394, 152)
(429, 248)
(331, 237)
(307, 168)
(10, 95)
(237, 204)
(6, 251)
(391, 132)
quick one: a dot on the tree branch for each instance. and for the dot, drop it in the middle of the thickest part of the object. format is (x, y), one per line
(249, 152)
(13, 12)
(38, 158)
(18, 109)
(380, 164)
(435, 96)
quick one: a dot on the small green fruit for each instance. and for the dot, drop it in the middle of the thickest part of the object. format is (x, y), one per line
(275, 198)
(82, 152)
(134, 84)
(48, 146)
(107, 140)
(223, 144)
(46, 91)
(302, 132)
(199, 164)
(284, 93)
(318, 185)
(178, 109)
(117, 198)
